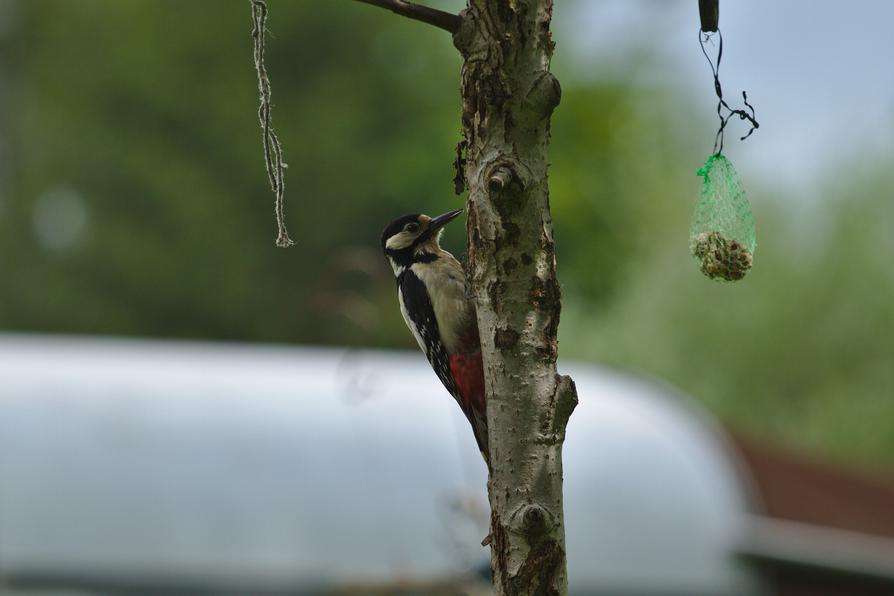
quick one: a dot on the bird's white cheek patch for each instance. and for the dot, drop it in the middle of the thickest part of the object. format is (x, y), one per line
(399, 241)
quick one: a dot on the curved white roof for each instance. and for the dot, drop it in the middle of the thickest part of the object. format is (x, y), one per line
(279, 465)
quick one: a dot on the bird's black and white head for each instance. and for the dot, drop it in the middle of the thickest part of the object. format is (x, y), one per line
(414, 238)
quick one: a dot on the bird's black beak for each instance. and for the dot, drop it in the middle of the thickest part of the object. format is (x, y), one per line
(442, 220)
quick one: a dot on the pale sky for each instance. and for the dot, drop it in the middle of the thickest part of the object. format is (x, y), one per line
(819, 73)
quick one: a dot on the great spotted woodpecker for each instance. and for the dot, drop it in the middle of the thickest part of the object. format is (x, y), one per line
(431, 290)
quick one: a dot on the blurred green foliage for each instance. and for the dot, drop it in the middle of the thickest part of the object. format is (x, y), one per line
(799, 352)
(135, 202)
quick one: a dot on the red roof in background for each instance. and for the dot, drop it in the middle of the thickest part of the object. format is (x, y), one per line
(799, 488)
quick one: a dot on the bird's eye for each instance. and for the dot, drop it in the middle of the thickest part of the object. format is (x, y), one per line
(412, 228)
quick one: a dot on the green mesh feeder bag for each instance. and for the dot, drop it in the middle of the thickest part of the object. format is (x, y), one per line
(722, 235)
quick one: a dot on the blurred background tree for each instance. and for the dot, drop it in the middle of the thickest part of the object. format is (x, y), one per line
(133, 201)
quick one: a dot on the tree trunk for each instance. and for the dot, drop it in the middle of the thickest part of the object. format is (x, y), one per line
(508, 97)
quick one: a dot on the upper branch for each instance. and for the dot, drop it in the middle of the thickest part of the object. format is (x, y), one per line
(443, 20)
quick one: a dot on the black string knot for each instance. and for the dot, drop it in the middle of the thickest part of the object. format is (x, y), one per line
(721, 103)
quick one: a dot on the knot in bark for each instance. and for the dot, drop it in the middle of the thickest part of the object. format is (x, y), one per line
(566, 402)
(464, 37)
(505, 339)
(532, 520)
(503, 180)
(544, 95)
(499, 179)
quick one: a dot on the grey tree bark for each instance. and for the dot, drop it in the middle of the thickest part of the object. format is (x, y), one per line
(508, 96)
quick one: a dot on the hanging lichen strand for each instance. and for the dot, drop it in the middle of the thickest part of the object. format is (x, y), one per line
(722, 235)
